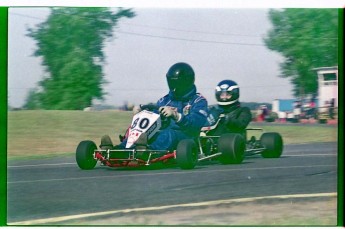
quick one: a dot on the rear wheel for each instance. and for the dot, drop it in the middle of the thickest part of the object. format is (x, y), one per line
(273, 144)
(232, 147)
(84, 155)
(186, 154)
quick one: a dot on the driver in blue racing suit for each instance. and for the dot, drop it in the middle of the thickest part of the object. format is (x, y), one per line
(186, 108)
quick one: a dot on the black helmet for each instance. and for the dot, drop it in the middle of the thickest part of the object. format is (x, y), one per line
(227, 92)
(180, 78)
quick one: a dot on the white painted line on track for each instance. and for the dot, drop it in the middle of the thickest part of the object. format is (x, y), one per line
(309, 155)
(40, 165)
(73, 163)
(167, 173)
(199, 204)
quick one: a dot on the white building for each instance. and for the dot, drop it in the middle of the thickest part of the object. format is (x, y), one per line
(328, 86)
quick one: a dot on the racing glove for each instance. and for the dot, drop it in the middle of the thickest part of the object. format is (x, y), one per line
(170, 112)
(231, 119)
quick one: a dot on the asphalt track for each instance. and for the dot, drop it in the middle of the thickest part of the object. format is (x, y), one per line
(53, 190)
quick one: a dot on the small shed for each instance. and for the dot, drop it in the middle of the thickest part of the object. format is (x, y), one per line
(328, 86)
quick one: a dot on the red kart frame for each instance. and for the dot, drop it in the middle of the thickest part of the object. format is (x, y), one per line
(132, 160)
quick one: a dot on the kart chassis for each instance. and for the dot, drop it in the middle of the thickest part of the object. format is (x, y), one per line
(229, 148)
(130, 158)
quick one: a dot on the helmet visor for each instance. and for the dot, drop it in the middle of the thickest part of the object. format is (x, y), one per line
(178, 86)
(224, 95)
(173, 83)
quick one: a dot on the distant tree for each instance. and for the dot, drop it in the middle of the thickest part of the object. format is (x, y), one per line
(71, 44)
(32, 101)
(307, 38)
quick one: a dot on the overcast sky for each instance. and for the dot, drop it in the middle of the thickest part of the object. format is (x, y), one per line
(218, 43)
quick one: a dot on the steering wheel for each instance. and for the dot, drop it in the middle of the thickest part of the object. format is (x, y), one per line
(149, 107)
(165, 121)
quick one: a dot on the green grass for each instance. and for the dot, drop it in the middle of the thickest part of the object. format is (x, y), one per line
(297, 134)
(32, 134)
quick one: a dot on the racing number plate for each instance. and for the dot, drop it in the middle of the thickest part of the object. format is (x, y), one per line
(143, 122)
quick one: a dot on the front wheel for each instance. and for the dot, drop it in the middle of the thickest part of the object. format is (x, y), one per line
(273, 144)
(232, 147)
(186, 154)
(84, 155)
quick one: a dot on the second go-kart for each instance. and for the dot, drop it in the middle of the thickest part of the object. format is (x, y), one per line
(228, 148)
(232, 148)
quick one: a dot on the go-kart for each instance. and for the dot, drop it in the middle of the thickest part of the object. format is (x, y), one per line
(228, 148)
(232, 148)
(145, 122)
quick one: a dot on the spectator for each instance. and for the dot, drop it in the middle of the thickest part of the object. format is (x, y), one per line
(331, 108)
(297, 110)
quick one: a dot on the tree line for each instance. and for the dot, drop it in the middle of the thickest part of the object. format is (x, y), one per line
(71, 43)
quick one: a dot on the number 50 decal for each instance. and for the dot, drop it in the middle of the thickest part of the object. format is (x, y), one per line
(143, 123)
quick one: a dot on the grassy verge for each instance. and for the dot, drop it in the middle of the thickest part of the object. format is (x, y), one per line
(290, 212)
(32, 134)
(36, 133)
(297, 134)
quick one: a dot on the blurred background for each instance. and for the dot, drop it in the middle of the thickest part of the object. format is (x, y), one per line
(65, 58)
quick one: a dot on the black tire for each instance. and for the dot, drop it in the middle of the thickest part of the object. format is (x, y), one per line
(186, 154)
(84, 155)
(273, 142)
(232, 147)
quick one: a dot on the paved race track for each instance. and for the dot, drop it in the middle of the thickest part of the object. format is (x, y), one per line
(51, 189)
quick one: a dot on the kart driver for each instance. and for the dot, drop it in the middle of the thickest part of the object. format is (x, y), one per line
(236, 118)
(186, 108)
